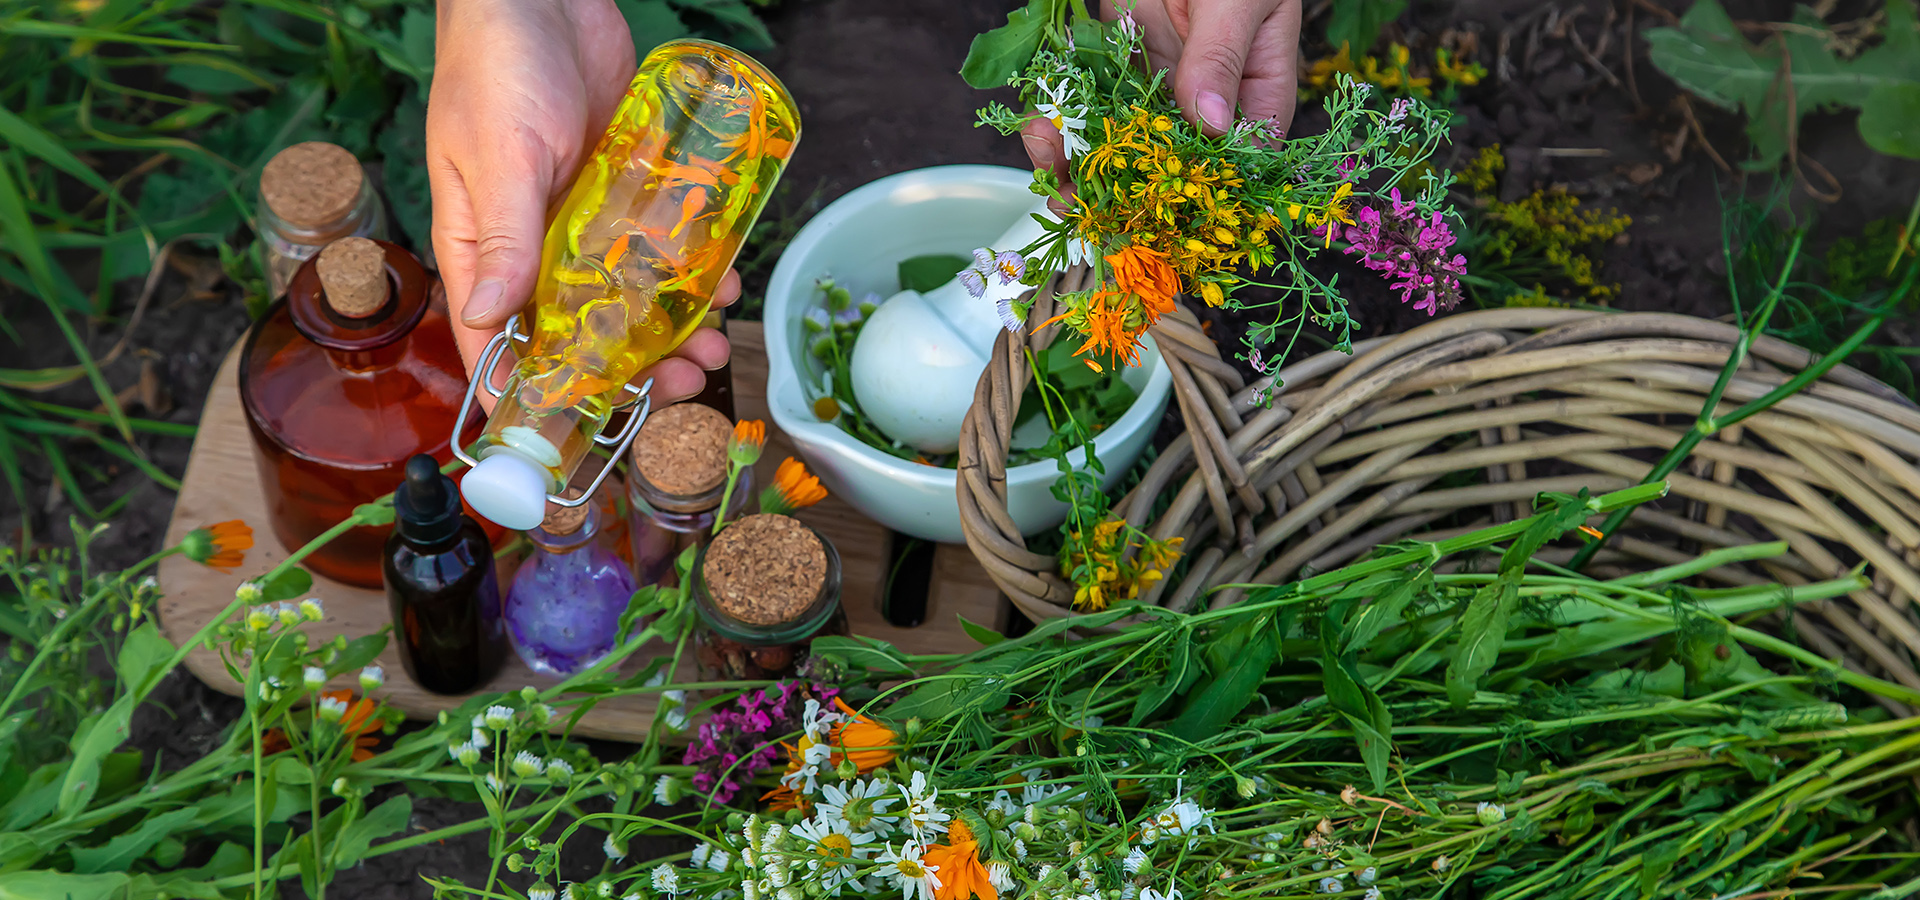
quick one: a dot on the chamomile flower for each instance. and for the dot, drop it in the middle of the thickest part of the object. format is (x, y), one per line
(1183, 817)
(1000, 876)
(479, 739)
(331, 709)
(1003, 802)
(861, 805)
(559, 770)
(1069, 118)
(674, 705)
(665, 879)
(700, 854)
(527, 765)
(1148, 893)
(719, 860)
(923, 816)
(806, 778)
(496, 717)
(1135, 861)
(615, 850)
(666, 791)
(916, 879)
(835, 852)
(1373, 893)
(371, 678)
(313, 677)
(539, 892)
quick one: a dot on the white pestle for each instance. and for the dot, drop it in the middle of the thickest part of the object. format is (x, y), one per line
(919, 356)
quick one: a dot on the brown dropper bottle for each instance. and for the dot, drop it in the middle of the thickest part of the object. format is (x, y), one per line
(441, 586)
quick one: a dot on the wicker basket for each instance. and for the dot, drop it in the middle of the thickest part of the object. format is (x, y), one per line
(1459, 423)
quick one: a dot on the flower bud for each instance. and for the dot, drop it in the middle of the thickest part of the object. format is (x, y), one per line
(314, 677)
(527, 765)
(332, 709)
(847, 769)
(248, 593)
(288, 613)
(1490, 813)
(559, 770)
(515, 863)
(1245, 787)
(371, 678)
(258, 619)
(529, 694)
(311, 610)
(340, 787)
(469, 755)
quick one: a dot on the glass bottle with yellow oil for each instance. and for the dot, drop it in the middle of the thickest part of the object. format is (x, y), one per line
(631, 262)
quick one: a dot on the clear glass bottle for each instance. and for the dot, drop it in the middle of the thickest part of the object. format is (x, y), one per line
(632, 259)
(764, 589)
(312, 194)
(676, 476)
(352, 374)
(564, 607)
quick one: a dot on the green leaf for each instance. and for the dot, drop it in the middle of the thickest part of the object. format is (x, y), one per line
(387, 819)
(360, 652)
(971, 687)
(1236, 678)
(1384, 612)
(924, 273)
(1350, 695)
(986, 637)
(287, 585)
(97, 736)
(43, 885)
(652, 22)
(35, 142)
(1355, 24)
(143, 656)
(120, 852)
(1001, 53)
(1182, 671)
(403, 151)
(1890, 113)
(866, 653)
(1483, 631)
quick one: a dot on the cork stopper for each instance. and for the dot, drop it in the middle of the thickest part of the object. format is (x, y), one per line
(311, 185)
(353, 275)
(682, 450)
(765, 569)
(564, 520)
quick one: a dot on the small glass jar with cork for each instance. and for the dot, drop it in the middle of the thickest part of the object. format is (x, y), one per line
(564, 606)
(312, 194)
(676, 480)
(764, 588)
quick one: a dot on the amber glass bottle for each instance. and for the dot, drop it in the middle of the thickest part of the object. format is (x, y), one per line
(445, 597)
(343, 381)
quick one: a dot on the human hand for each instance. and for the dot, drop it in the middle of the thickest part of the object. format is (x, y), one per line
(1223, 53)
(522, 90)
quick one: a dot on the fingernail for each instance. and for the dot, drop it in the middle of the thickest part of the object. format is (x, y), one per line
(1039, 150)
(1213, 110)
(485, 300)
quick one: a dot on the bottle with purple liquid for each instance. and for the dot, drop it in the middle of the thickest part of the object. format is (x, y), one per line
(563, 609)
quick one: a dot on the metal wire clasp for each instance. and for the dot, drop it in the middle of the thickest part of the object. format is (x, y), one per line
(490, 357)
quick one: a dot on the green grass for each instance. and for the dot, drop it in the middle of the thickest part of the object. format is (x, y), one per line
(128, 124)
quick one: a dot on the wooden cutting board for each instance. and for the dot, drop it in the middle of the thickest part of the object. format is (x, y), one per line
(221, 483)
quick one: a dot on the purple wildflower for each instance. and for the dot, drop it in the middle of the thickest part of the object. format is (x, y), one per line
(975, 282)
(737, 742)
(1008, 317)
(1410, 252)
(1397, 114)
(1011, 266)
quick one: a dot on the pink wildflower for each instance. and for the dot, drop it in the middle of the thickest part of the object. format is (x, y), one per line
(1409, 251)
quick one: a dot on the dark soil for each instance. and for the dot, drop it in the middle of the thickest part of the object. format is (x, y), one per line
(878, 93)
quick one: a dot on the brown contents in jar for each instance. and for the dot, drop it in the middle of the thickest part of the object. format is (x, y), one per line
(682, 450)
(353, 275)
(312, 184)
(765, 570)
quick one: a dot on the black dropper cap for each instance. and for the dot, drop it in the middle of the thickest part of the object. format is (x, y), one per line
(426, 506)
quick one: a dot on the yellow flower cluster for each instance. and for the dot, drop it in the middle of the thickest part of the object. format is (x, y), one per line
(1393, 74)
(1549, 222)
(1184, 208)
(1114, 574)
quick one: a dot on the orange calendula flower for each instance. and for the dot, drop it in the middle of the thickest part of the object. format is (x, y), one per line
(1145, 273)
(749, 438)
(358, 722)
(962, 875)
(868, 743)
(793, 488)
(222, 545)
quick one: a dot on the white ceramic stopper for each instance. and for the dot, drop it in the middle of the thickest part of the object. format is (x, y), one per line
(919, 356)
(507, 488)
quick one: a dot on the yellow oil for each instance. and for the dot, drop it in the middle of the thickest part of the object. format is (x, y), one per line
(634, 254)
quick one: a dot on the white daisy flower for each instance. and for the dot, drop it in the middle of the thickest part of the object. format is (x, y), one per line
(818, 721)
(371, 678)
(331, 709)
(700, 854)
(1184, 817)
(1003, 802)
(806, 779)
(915, 879)
(1037, 794)
(674, 705)
(1148, 893)
(666, 791)
(539, 892)
(1069, 118)
(1000, 876)
(1367, 876)
(835, 852)
(1019, 849)
(526, 765)
(860, 805)
(314, 677)
(923, 816)
(479, 739)
(613, 849)
(559, 769)
(1331, 886)
(719, 860)
(665, 879)
(496, 718)
(1373, 893)
(1135, 861)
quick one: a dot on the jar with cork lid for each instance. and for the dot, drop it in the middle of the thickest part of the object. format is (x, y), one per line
(564, 607)
(351, 374)
(312, 194)
(676, 479)
(764, 588)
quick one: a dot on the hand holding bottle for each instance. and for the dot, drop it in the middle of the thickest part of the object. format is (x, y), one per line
(522, 90)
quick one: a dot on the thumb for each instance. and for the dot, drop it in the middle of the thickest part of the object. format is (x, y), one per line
(1206, 81)
(509, 215)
